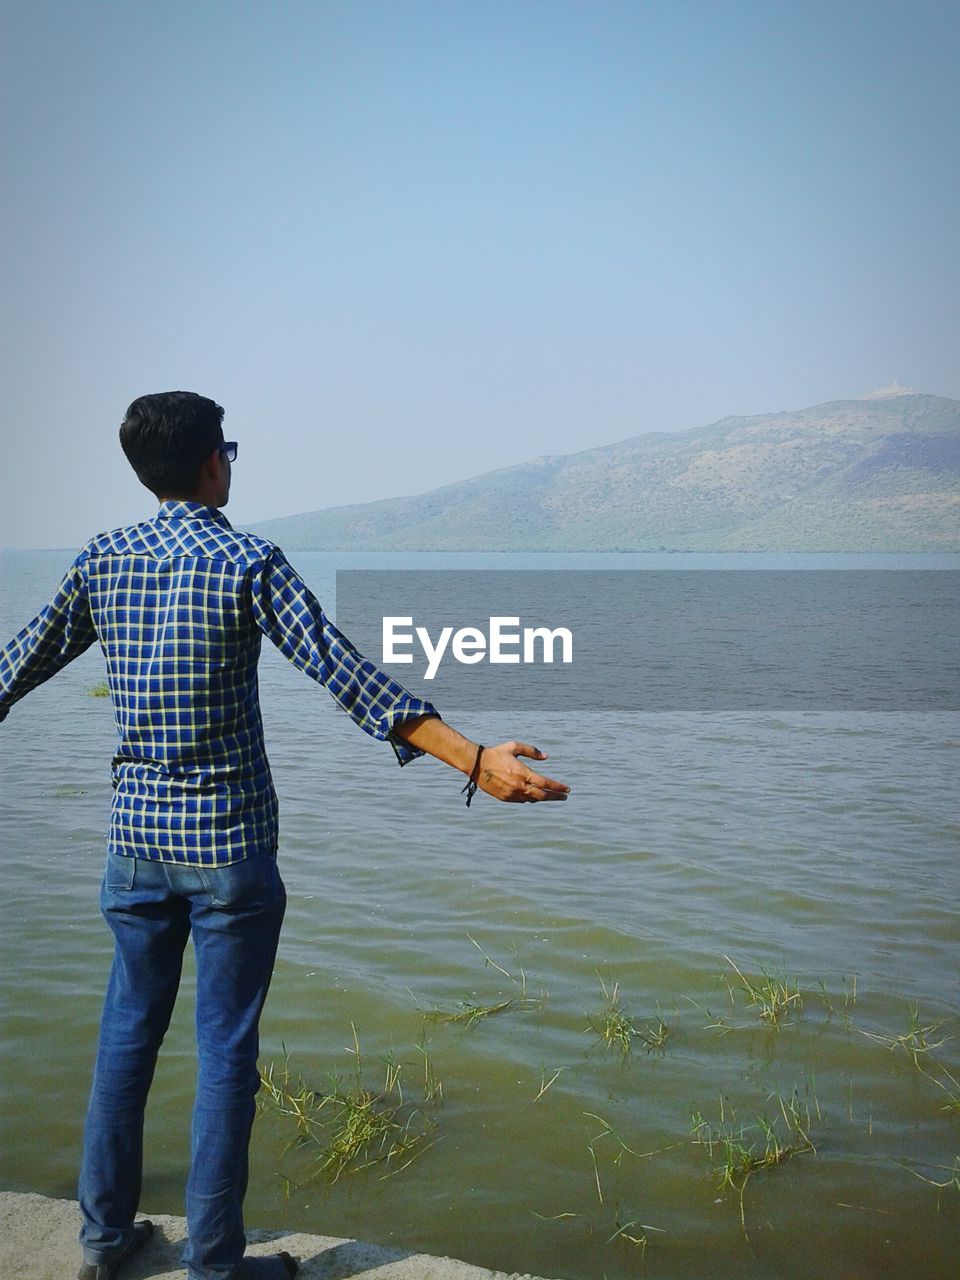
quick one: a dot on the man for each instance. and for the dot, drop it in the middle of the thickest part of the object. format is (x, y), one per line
(179, 605)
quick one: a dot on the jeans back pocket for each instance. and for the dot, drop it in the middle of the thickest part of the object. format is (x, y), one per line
(121, 872)
(247, 885)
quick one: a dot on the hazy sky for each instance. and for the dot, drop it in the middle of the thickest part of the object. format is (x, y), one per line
(404, 243)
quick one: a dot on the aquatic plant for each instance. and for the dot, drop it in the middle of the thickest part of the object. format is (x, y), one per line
(915, 1040)
(470, 1011)
(736, 1154)
(608, 1131)
(545, 1084)
(952, 1179)
(951, 1089)
(614, 1027)
(354, 1127)
(654, 1036)
(634, 1233)
(918, 1044)
(432, 1085)
(847, 998)
(773, 995)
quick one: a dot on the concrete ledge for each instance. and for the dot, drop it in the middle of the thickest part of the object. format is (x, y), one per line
(38, 1241)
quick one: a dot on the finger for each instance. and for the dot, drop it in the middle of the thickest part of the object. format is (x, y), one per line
(548, 784)
(526, 791)
(525, 749)
(539, 793)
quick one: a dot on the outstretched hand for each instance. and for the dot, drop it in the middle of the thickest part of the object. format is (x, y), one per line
(503, 775)
(499, 771)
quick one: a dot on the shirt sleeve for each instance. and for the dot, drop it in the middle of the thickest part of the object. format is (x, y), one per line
(289, 615)
(57, 635)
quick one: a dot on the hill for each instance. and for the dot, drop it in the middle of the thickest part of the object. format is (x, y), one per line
(880, 474)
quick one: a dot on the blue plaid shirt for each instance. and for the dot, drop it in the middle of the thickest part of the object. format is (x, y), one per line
(179, 605)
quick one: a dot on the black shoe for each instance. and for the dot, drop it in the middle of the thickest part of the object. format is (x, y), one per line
(260, 1266)
(142, 1231)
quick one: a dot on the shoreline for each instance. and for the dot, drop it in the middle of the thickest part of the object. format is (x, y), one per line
(38, 1241)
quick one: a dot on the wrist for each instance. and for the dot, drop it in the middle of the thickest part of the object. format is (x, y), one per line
(470, 763)
(473, 779)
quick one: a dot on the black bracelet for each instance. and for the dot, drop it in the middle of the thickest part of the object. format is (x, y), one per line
(470, 787)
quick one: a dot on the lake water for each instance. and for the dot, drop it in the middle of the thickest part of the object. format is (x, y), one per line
(819, 845)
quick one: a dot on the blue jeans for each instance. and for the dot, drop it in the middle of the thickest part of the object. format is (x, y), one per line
(234, 914)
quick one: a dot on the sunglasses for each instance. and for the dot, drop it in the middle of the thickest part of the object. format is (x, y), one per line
(229, 450)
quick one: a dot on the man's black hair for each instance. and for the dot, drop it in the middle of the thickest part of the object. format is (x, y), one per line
(168, 436)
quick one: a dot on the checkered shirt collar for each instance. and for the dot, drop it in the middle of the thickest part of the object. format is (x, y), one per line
(181, 509)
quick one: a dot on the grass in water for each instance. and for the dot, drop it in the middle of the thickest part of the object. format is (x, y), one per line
(918, 1043)
(634, 1233)
(614, 1027)
(99, 690)
(468, 1011)
(951, 1181)
(618, 1030)
(951, 1089)
(608, 1131)
(545, 1083)
(654, 1035)
(772, 994)
(738, 1152)
(432, 1085)
(353, 1127)
(624, 1233)
(916, 1040)
(846, 1000)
